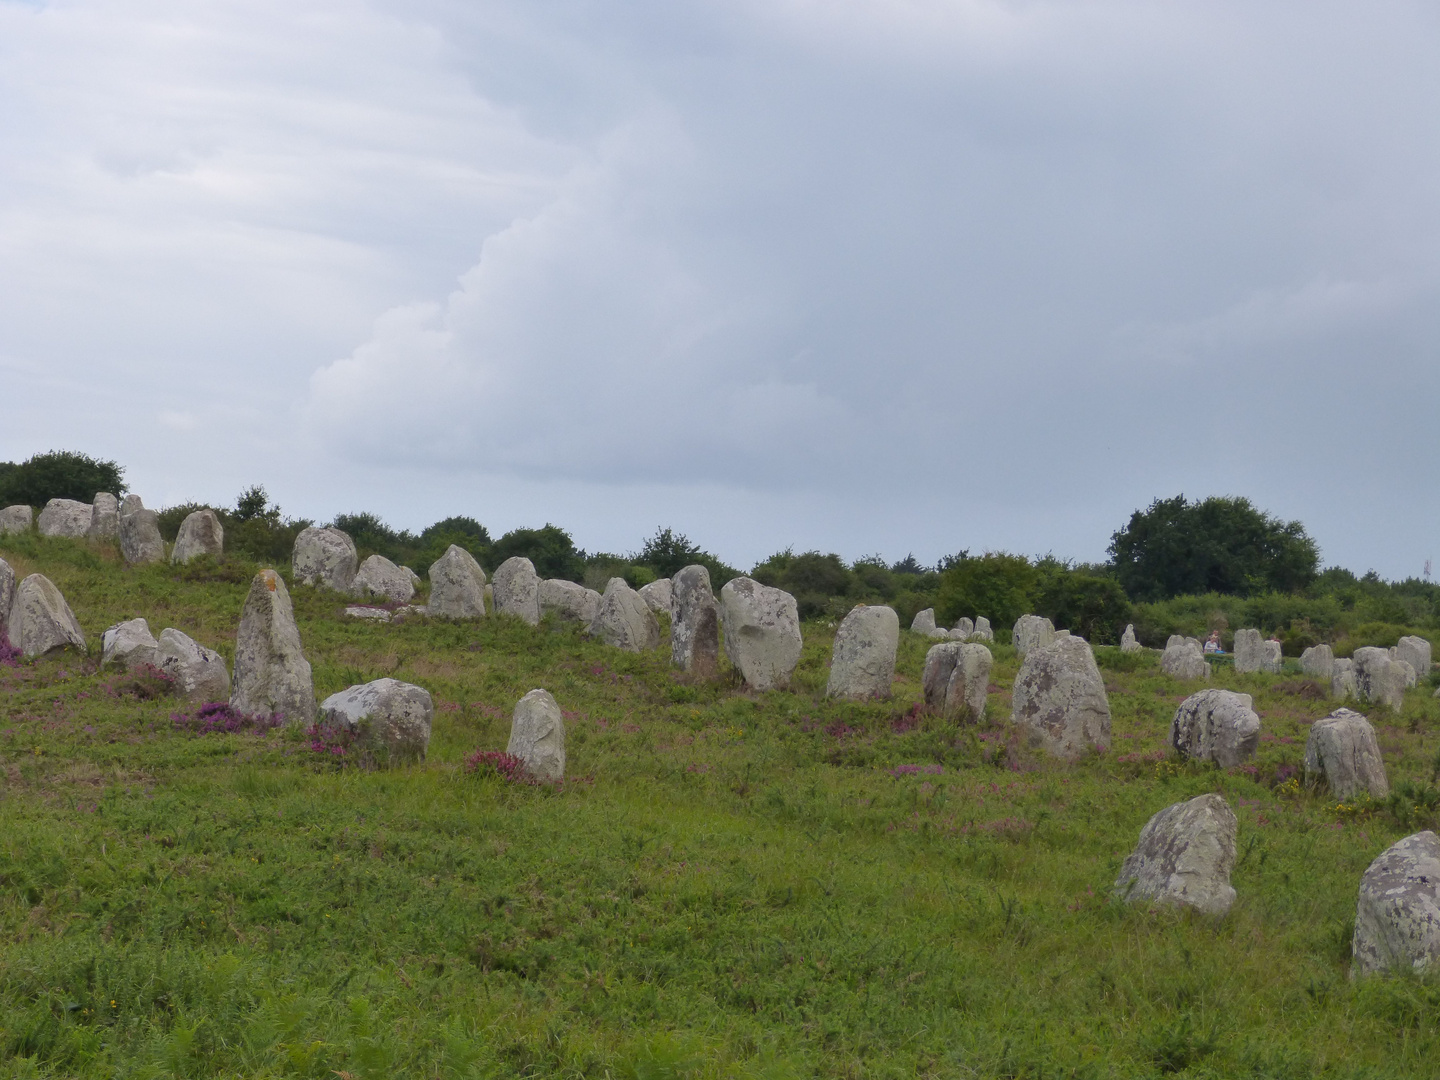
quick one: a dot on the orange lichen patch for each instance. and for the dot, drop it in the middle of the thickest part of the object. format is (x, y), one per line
(271, 579)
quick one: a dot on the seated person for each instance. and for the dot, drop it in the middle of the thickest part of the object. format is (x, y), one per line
(1212, 643)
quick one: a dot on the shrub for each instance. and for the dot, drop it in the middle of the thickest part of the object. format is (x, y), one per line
(551, 549)
(498, 763)
(59, 474)
(998, 585)
(217, 717)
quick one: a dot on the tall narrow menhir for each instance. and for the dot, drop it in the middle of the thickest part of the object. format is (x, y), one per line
(272, 675)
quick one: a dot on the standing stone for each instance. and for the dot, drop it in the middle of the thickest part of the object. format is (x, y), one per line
(762, 632)
(1184, 857)
(200, 674)
(1274, 658)
(1318, 662)
(969, 684)
(1059, 698)
(130, 504)
(457, 586)
(7, 596)
(65, 517)
(624, 620)
(104, 516)
(40, 621)
(568, 601)
(140, 539)
(1253, 653)
(537, 736)
(1031, 631)
(940, 664)
(1216, 725)
(1397, 915)
(924, 621)
(324, 557)
(982, 630)
(1129, 644)
(200, 534)
(128, 645)
(1184, 658)
(1342, 749)
(694, 623)
(1415, 651)
(380, 578)
(271, 672)
(16, 519)
(389, 718)
(862, 664)
(1342, 679)
(1379, 679)
(657, 595)
(963, 628)
(517, 590)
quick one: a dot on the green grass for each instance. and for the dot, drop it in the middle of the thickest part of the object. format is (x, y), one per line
(729, 885)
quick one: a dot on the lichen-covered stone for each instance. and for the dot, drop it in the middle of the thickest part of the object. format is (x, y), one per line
(1415, 651)
(128, 645)
(379, 578)
(657, 595)
(1378, 678)
(1184, 658)
(1031, 631)
(762, 632)
(200, 534)
(140, 539)
(324, 557)
(862, 663)
(694, 623)
(65, 517)
(271, 673)
(924, 621)
(16, 519)
(1128, 643)
(1318, 662)
(104, 516)
(1059, 699)
(516, 588)
(1342, 748)
(388, 718)
(1184, 857)
(40, 621)
(1216, 725)
(457, 586)
(1397, 913)
(200, 674)
(624, 620)
(568, 601)
(537, 736)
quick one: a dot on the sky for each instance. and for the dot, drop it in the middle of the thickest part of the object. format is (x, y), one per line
(894, 277)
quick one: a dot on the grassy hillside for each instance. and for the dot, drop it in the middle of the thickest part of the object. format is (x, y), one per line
(729, 885)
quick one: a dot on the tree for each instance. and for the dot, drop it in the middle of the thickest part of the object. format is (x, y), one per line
(1224, 545)
(997, 585)
(1094, 607)
(667, 552)
(59, 474)
(551, 550)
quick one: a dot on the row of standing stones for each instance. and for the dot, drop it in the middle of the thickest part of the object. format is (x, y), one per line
(1185, 854)
(136, 528)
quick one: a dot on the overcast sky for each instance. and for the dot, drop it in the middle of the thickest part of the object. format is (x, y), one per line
(862, 276)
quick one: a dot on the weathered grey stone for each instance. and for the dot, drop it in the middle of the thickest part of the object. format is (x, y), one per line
(7, 596)
(1253, 653)
(1128, 643)
(1343, 683)
(762, 632)
(517, 590)
(1318, 662)
(537, 736)
(130, 504)
(200, 534)
(389, 718)
(969, 684)
(568, 601)
(1184, 857)
(128, 645)
(963, 628)
(657, 595)
(104, 516)
(1397, 914)
(940, 663)
(1030, 632)
(694, 623)
(624, 619)
(1216, 725)
(1274, 657)
(1379, 679)
(1059, 698)
(380, 578)
(200, 674)
(457, 585)
(924, 621)
(1409, 677)
(271, 672)
(374, 614)
(1184, 658)
(40, 621)
(862, 663)
(65, 517)
(140, 539)
(1342, 749)
(406, 612)
(1415, 651)
(16, 519)
(982, 630)
(324, 557)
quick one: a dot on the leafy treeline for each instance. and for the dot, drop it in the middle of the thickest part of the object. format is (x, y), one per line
(1178, 566)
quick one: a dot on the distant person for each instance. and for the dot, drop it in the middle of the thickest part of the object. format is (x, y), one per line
(1212, 643)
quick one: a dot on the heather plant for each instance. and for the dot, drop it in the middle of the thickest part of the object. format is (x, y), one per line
(217, 717)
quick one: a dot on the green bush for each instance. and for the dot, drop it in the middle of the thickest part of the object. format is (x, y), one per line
(551, 549)
(59, 474)
(997, 585)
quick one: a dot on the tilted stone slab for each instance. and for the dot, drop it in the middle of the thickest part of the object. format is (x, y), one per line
(40, 621)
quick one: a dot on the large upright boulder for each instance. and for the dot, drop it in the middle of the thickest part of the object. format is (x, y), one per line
(1318, 662)
(1184, 857)
(40, 621)
(982, 631)
(1397, 914)
(762, 632)
(1415, 651)
(200, 674)
(1216, 725)
(130, 504)
(924, 622)
(16, 519)
(1378, 678)
(380, 579)
(516, 589)
(272, 675)
(862, 664)
(65, 517)
(140, 539)
(128, 645)
(457, 586)
(1342, 748)
(537, 736)
(657, 595)
(324, 557)
(956, 679)
(1342, 679)
(104, 516)
(1253, 653)
(200, 534)
(1059, 699)
(568, 601)
(1128, 642)
(694, 623)
(1184, 658)
(388, 718)
(1030, 632)
(7, 595)
(624, 620)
